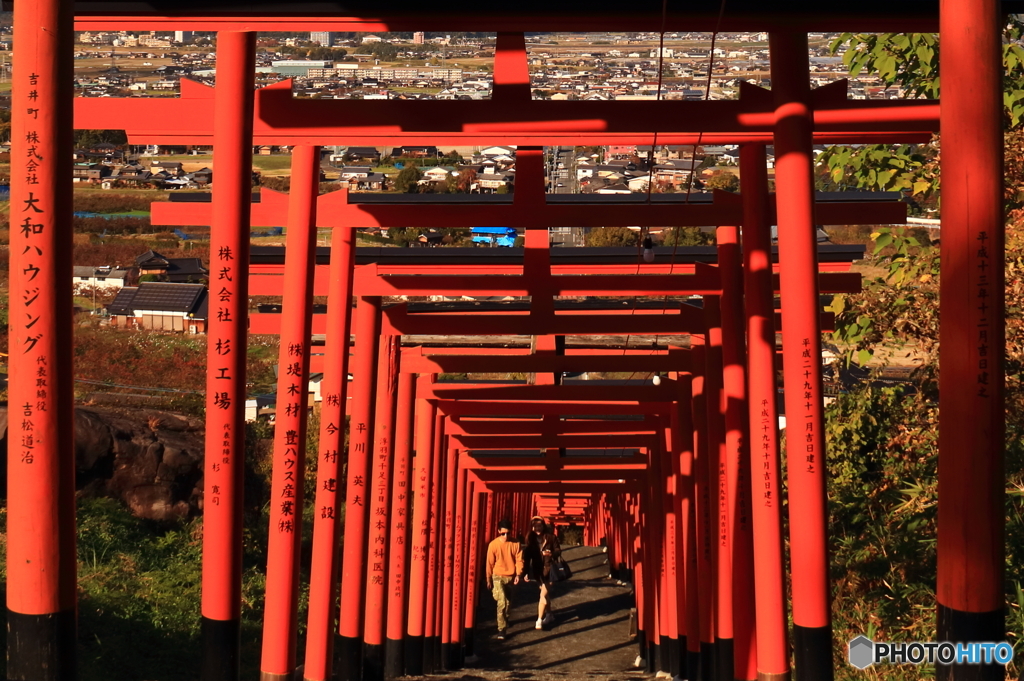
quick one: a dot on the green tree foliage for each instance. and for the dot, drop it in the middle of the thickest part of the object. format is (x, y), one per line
(407, 178)
(404, 236)
(5, 125)
(723, 180)
(87, 139)
(897, 311)
(911, 61)
(612, 237)
(384, 51)
(466, 180)
(882, 488)
(687, 236)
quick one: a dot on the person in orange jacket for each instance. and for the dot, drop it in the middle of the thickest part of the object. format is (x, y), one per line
(504, 565)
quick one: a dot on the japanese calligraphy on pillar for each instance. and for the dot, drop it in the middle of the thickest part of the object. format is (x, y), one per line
(222, 385)
(33, 268)
(808, 369)
(379, 517)
(449, 541)
(981, 295)
(723, 504)
(290, 437)
(357, 481)
(330, 440)
(422, 483)
(400, 507)
(766, 447)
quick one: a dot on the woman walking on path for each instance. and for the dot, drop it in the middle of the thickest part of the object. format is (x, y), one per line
(542, 550)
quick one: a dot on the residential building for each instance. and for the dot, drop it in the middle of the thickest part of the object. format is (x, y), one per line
(105, 277)
(161, 306)
(323, 38)
(177, 270)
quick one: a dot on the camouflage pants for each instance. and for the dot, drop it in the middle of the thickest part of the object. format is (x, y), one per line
(502, 593)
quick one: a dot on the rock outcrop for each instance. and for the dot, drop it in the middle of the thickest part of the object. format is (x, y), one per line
(150, 460)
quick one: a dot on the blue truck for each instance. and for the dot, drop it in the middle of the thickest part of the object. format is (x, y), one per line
(494, 236)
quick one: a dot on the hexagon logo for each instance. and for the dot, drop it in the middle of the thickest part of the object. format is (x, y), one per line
(861, 652)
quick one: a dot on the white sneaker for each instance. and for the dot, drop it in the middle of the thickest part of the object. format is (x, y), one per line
(540, 624)
(548, 620)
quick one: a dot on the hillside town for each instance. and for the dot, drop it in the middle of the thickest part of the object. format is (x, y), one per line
(585, 66)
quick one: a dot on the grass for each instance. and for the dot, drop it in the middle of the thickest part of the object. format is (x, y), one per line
(264, 163)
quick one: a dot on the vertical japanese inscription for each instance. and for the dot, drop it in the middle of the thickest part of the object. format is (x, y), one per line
(379, 520)
(981, 295)
(808, 369)
(34, 268)
(222, 391)
(766, 426)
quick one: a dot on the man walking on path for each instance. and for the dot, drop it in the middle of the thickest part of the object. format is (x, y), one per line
(504, 565)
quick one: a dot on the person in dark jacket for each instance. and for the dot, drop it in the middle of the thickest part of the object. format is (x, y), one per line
(542, 549)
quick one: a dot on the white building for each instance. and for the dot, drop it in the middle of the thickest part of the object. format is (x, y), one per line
(104, 278)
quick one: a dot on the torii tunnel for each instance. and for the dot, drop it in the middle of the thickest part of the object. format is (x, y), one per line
(681, 479)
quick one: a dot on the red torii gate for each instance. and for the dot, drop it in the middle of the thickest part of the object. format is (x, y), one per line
(41, 563)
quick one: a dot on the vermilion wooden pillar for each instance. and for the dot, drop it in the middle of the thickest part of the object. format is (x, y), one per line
(419, 558)
(325, 565)
(227, 341)
(378, 491)
(41, 561)
(717, 469)
(448, 520)
(477, 556)
(705, 514)
(462, 512)
(737, 452)
(766, 489)
(349, 654)
(281, 610)
(667, 524)
(683, 467)
(401, 529)
(801, 355)
(435, 578)
(971, 540)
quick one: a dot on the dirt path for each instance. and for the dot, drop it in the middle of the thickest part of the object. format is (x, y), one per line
(589, 639)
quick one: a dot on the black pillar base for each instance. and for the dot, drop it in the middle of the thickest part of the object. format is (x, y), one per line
(373, 662)
(674, 666)
(957, 626)
(707, 661)
(468, 644)
(664, 651)
(348, 658)
(723, 659)
(42, 647)
(812, 648)
(692, 665)
(455, 655)
(414, 655)
(394, 658)
(652, 657)
(641, 645)
(222, 647)
(429, 657)
(446, 655)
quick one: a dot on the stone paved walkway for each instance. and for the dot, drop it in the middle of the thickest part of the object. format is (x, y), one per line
(589, 639)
